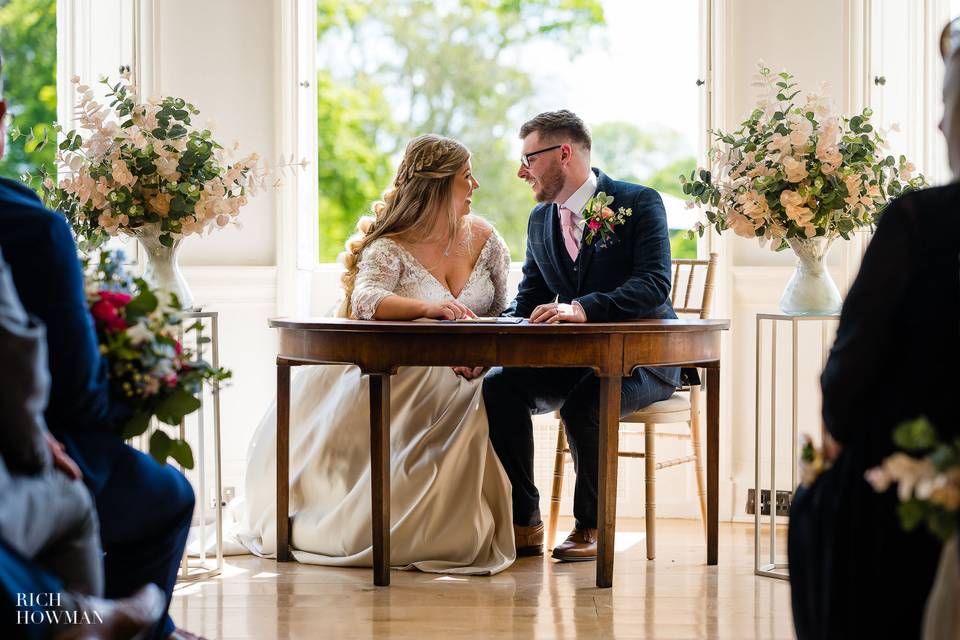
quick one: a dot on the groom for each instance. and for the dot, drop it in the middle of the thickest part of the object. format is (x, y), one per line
(567, 280)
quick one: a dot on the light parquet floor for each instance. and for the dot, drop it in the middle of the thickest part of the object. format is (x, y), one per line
(674, 596)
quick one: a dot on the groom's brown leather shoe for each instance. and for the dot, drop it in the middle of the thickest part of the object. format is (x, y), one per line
(529, 540)
(580, 545)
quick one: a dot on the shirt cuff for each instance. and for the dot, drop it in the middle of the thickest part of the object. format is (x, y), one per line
(582, 310)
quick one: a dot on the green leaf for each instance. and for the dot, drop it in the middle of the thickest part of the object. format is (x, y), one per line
(942, 523)
(181, 452)
(145, 303)
(160, 446)
(912, 513)
(943, 457)
(177, 405)
(136, 425)
(915, 435)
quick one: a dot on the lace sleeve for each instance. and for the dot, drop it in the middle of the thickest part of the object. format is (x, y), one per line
(499, 270)
(377, 278)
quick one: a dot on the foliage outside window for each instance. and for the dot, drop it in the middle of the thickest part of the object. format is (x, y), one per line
(393, 69)
(28, 39)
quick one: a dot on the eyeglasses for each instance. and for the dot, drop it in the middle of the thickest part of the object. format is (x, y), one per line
(525, 157)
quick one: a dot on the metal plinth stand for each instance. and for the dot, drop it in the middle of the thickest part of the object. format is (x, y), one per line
(772, 568)
(202, 566)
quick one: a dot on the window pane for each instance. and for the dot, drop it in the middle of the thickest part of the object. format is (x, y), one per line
(28, 31)
(389, 71)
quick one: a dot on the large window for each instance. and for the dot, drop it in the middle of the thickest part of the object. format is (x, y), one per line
(393, 69)
(28, 37)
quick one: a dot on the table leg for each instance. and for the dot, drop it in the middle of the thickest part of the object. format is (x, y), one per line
(283, 463)
(713, 462)
(380, 476)
(607, 480)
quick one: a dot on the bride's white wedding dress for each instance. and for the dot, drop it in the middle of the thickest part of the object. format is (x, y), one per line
(450, 507)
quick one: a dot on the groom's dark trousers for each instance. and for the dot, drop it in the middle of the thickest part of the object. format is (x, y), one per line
(144, 508)
(627, 279)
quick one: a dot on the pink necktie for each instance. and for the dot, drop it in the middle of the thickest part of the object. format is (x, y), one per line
(570, 231)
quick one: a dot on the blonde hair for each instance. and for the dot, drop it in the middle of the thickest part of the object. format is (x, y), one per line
(422, 189)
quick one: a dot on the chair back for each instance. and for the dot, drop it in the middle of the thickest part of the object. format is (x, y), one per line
(693, 286)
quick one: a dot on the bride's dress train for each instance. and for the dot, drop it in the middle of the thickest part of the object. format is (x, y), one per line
(450, 508)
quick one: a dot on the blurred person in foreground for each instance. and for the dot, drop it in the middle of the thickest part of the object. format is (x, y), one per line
(854, 571)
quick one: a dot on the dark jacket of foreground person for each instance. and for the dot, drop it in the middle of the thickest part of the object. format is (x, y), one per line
(854, 572)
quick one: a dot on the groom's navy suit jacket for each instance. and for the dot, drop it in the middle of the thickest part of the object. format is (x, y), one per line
(627, 279)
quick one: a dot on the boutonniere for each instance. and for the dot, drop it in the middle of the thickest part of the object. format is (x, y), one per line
(601, 219)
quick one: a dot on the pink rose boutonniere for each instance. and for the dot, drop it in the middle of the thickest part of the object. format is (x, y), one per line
(601, 219)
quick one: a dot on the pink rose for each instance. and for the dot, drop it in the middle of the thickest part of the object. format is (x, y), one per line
(593, 225)
(606, 213)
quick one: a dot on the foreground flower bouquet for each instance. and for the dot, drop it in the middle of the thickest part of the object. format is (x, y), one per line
(149, 369)
(929, 487)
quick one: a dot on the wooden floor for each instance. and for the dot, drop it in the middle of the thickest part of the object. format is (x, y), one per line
(674, 596)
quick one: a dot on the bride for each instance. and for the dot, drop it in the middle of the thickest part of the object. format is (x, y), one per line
(423, 255)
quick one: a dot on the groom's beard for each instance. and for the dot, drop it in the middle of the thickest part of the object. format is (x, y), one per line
(550, 183)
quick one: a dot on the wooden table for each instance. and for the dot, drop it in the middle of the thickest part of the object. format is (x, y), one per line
(611, 350)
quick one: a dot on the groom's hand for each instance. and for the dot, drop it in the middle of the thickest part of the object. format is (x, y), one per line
(558, 312)
(470, 373)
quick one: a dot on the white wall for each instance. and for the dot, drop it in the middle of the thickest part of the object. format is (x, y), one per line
(222, 60)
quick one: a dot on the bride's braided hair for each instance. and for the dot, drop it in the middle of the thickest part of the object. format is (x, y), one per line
(422, 189)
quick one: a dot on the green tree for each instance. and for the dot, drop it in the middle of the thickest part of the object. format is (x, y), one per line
(352, 170)
(444, 68)
(666, 179)
(28, 39)
(627, 152)
(653, 157)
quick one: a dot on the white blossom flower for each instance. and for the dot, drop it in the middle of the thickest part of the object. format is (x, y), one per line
(139, 333)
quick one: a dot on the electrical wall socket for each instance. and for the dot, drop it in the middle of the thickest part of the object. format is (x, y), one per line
(229, 493)
(784, 499)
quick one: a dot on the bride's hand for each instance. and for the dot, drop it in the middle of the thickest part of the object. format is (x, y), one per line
(447, 310)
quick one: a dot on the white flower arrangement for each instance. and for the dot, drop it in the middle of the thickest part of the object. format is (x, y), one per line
(143, 168)
(795, 170)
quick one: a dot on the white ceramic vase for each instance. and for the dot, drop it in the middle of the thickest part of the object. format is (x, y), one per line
(163, 271)
(811, 291)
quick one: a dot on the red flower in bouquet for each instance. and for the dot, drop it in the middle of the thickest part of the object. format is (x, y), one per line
(150, 371)
(107, 310)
